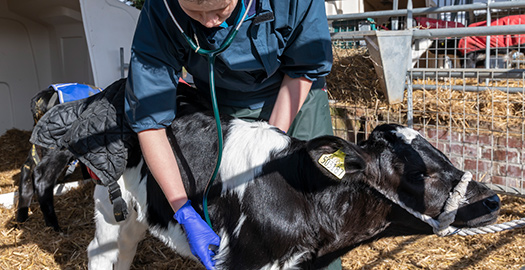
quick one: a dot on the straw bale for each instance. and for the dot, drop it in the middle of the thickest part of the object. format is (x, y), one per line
(353, 85)
(489, 110)
(353, 78)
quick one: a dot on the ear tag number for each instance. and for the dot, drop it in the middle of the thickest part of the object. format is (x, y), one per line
(334, 163)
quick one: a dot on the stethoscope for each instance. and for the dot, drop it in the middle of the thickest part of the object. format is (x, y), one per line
(211, 54)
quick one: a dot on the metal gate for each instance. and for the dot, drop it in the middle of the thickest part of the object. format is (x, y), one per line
(465, 89)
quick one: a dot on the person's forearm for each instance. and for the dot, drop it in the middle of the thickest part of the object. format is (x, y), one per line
(291, 97)
(161, 161)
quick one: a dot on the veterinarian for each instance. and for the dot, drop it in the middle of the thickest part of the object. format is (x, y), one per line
(274, 70)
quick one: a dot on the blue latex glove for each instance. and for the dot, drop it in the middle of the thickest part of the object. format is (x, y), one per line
(200, 235)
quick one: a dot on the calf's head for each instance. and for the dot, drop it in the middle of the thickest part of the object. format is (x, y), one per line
(406, 169)
(414, 173)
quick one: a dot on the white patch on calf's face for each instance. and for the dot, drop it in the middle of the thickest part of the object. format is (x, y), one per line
(247, 147)
(406, 134)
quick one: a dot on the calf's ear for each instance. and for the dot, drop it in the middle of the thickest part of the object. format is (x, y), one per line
(335, 156)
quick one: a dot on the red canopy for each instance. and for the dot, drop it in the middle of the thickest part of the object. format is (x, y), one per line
(471, 44)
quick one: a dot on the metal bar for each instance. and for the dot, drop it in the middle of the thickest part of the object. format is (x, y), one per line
(410, 102)
(470, 31)
(122, 69)
(123, 66)
(395, 20)
(454, 14)
(440, 33)
(487, 40)
(410, 14)
(427, 10)
(469, 73)
(468, 88)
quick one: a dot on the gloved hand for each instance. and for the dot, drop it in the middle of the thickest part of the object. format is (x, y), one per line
(200, 235)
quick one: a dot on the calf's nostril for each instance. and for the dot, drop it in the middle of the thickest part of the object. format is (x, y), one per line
(492, 203)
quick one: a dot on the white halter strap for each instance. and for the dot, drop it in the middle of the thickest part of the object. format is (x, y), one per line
(442, 225)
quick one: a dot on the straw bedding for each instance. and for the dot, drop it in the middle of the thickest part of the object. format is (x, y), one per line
(33, 246)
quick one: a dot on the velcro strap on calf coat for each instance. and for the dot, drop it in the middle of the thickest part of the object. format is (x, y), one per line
(94, 130)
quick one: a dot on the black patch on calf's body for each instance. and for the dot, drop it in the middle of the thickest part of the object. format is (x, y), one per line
(193, 138)
(308, 197)
(159, 212)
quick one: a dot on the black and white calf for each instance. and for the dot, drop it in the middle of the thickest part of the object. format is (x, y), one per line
(283, 203)
(43, 167)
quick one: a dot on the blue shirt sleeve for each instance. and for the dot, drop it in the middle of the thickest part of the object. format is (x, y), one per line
(154, 71)
(309, 50)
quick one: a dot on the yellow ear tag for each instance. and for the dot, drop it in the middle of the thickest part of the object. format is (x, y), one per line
(334, 163)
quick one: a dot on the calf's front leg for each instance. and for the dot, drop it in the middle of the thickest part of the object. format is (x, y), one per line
(115, 243)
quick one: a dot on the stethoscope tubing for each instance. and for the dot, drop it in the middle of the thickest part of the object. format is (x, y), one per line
(211, 55)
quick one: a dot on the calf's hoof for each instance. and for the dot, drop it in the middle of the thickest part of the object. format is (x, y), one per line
(22, 214)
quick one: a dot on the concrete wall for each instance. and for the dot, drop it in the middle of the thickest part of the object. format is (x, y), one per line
(44, 42)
